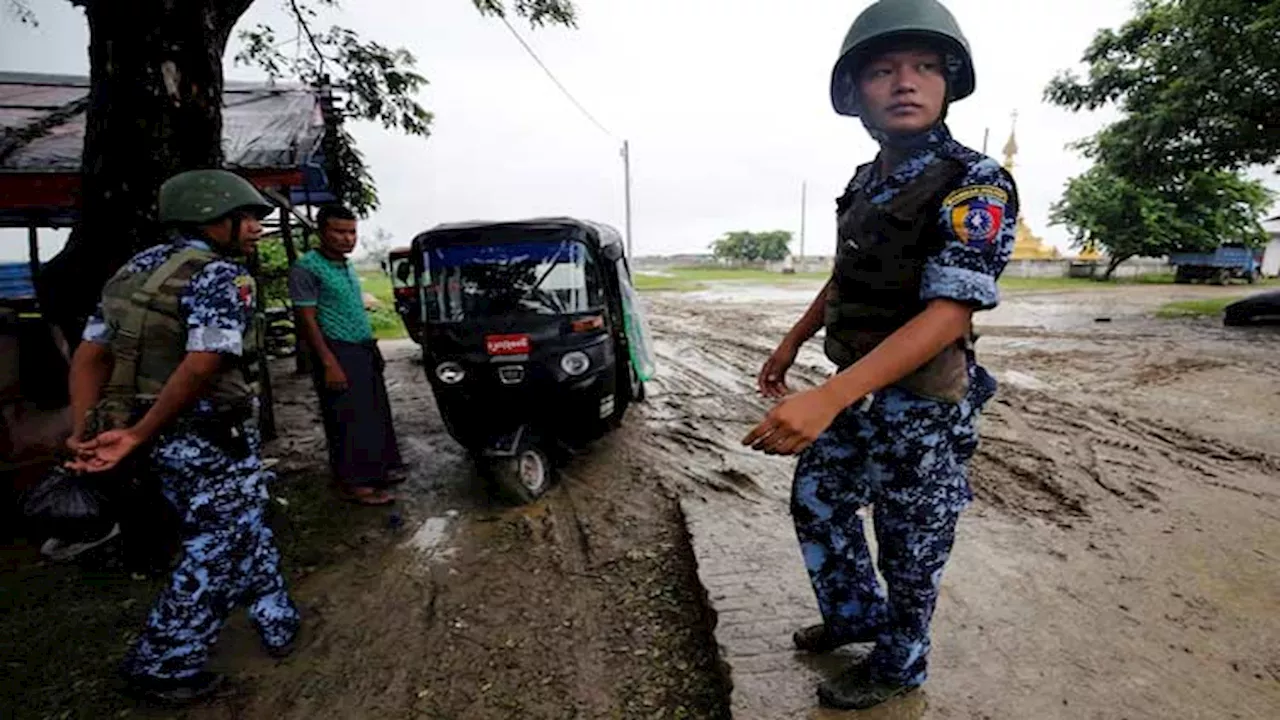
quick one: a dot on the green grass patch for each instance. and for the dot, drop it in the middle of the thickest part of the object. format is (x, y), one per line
(1195, 308)
(1047, 283)
(696, 278)
(386, 322)
(376, 283)
(1147, 279)
(651, 283)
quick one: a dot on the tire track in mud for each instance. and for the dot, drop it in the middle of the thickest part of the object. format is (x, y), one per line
(1057, 457)
(1137, 521)
(488, 627)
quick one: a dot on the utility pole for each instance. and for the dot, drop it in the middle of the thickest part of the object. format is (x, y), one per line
(803, 201)
(626, 169)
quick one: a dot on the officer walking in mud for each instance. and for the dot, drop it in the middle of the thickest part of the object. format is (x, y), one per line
(924, 232)
(165, 380)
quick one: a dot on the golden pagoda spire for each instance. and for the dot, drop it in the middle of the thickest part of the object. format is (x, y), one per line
(1026, 245)
(1011, 147)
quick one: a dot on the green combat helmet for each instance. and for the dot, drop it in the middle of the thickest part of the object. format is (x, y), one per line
(889, 22)
(203, 196)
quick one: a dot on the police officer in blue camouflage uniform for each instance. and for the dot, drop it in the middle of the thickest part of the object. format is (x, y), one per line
(924, 232)
(164, 383)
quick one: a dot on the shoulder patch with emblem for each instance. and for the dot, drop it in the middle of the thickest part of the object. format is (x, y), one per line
(976, 213)
(244, 285)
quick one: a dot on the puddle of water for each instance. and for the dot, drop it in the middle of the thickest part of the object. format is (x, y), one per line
(1023, 380)
(428, 538)
(739, 292)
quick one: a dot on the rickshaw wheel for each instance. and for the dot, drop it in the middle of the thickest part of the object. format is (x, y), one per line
(525, 477)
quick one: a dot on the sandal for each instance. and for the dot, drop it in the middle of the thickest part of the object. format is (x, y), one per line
(363, 495)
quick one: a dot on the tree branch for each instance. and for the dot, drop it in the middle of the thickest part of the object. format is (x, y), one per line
(20, 10)
(306, 28)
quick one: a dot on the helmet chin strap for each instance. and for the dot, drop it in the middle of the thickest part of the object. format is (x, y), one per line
(235, 234)
(903, 141)
(909, 141)
(232, 244)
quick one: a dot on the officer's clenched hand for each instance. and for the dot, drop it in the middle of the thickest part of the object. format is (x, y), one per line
(105, 451)
(772, 380)
(793, 424)
(334, 377)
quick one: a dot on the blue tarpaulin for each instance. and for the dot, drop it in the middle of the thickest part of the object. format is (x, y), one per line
(15, 282)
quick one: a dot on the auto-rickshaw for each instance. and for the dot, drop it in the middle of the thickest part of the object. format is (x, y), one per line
(399, 267)
(534, 341)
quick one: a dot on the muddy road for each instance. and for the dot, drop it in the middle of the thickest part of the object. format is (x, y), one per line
(1122, 559)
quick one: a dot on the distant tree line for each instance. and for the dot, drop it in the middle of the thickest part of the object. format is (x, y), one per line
(748, 246)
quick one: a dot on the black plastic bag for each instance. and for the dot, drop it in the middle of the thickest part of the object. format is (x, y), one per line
(70, 506)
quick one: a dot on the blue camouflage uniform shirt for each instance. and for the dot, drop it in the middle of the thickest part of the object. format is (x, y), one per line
(217, 305)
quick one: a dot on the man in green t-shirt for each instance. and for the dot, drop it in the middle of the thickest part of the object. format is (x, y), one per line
(347, 367)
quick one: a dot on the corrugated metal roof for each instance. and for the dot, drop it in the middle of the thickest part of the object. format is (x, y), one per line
(264, 126)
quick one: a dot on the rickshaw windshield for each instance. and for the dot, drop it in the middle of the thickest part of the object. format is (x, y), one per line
(528, 277)
(401, 271)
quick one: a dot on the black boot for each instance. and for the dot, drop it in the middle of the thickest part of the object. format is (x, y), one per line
(280, 652)
(858, 689)
(819, 639)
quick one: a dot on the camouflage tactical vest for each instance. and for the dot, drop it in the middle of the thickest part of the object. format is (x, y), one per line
(880, 260)
(150, 340)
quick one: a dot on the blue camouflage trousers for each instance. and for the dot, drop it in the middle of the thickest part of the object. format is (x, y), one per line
(229, 558)
(905, 456)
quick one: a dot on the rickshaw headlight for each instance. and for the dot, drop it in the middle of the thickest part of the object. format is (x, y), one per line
(575, 363)
(450, 373)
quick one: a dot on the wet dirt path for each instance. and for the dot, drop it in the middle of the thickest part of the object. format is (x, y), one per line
(1121, 560)
(582, 605)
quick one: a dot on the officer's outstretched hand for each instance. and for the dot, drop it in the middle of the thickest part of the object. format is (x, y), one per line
(793, 424)
(105, 451)
(772, 380)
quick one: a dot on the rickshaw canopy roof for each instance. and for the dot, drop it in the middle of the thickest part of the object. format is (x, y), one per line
(597, 234)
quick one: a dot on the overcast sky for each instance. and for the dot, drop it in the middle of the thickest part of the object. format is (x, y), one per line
(724, 102)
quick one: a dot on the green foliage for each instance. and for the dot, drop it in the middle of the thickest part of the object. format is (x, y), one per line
(369, 80)
(274, 263)
(752, 246)
(539, 12)
(386, 322)
(1198, 82)
(1129, 219)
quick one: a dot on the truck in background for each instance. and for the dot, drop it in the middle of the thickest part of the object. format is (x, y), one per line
(1227, 262)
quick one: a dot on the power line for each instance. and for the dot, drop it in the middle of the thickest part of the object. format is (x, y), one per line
(551, 75)
(626, 147)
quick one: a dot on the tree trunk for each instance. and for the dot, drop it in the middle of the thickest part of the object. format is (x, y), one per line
(1115, 263)
(155, 108)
